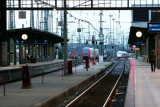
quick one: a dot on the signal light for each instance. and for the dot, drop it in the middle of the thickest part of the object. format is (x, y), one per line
(131, 47)
(93, 40)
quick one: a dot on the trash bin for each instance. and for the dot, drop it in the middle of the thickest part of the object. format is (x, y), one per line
(26, 80)
(69, 66)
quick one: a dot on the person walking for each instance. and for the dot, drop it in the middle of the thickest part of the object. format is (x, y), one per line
(152, 60)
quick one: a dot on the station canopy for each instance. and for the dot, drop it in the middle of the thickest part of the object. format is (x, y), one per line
(34, 34)
(133, 39)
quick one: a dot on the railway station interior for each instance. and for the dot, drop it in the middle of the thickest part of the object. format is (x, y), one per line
(51, 48)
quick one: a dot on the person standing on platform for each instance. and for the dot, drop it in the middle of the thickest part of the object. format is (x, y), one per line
(152, 60)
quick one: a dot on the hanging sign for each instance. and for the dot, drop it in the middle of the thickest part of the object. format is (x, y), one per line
(154, 27)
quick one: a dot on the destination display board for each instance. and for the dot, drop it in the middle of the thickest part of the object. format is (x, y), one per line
(154, 27)
(140, 15)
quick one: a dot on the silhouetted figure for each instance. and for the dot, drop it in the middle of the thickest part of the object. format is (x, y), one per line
(152, 59)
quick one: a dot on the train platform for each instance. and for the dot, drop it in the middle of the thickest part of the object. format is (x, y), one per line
(143, 85)
(45, 88)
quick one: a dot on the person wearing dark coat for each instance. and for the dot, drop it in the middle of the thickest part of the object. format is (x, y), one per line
(152, 60)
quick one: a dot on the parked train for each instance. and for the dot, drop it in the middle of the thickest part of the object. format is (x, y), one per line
(89, 52)
(96, 53)
(122, 54)
(73, 54)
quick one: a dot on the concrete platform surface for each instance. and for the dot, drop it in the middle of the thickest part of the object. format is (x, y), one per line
(144, 86)
(53, 84)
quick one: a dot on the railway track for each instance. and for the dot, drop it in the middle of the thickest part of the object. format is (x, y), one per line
(101, 93)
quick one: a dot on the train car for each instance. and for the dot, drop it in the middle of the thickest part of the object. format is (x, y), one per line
(96, 52)
(122, 54)
(73, 54)
(91, 52)
(87, 51)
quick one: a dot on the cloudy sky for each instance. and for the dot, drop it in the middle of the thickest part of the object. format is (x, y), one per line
(123, 17)
(89, 21)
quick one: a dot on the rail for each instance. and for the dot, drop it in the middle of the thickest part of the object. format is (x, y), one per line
(76, 100)
(110, 97)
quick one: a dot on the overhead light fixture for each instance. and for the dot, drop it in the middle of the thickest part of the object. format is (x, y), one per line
(138, 34)
(24, 36)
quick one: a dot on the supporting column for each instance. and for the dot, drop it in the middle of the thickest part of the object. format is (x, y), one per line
(3, 36)
(53, 51)
(20, 52)
(65, 37)
(50, 52)
(29, 50)
(36, 52)
(24, 50)
(39, 51)
(8, 52)
(147, 50)
(157, 48)
(15, 53)
(42, 52)
(33, 51)
(47, 51)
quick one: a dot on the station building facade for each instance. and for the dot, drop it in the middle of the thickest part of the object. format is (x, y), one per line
(149, 40)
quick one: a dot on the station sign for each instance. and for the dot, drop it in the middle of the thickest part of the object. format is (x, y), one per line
(153, 27)
(139, 43)
(36, 42)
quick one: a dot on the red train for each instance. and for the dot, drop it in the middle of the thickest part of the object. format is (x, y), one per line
(73, 54)
(89, 52)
